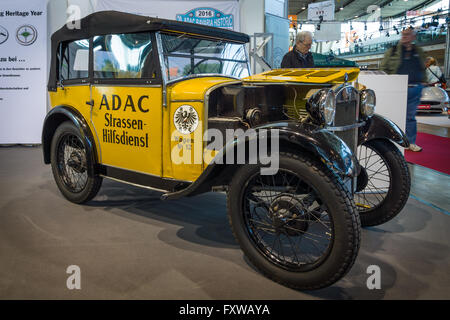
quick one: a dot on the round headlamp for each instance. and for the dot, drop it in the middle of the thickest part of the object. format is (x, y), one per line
(367, 103)
(322, 107)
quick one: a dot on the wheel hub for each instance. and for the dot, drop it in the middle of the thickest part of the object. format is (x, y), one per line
(285, 211)
(362, 180)
(76, 162)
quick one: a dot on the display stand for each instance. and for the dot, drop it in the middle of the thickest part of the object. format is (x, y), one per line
(391, 93)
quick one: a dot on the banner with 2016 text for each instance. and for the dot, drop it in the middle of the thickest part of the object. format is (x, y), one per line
(23, 70)
(221, 14)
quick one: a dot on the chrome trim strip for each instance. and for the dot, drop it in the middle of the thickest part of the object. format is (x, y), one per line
(344, 128)
(164, 71)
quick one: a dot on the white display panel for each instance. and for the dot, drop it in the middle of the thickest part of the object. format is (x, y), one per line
(391, 92)
(23, 70)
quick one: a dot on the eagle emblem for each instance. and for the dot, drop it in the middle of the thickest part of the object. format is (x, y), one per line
(185, 119)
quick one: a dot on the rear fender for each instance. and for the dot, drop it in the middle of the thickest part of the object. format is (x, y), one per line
(54, 118)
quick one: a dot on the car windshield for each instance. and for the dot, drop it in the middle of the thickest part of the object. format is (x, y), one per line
(185, 55)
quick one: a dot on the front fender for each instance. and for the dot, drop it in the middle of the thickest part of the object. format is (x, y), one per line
(379, 127)
(54, 118)
(318, 143)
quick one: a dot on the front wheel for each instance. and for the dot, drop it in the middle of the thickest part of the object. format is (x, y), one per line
(384, 183)
(299, 227)
(73, 173)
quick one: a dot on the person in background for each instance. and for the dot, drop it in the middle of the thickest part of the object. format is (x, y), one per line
(433, 72)
(300, 56)
(406, 58)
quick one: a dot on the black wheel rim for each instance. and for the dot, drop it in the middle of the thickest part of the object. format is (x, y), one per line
(379, 180)
(287, 221)
(71, 160)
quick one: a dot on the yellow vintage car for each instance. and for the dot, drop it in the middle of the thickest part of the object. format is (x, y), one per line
(173, 106)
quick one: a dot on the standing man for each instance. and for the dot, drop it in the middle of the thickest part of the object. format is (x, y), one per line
(300, 56)
(407, 58)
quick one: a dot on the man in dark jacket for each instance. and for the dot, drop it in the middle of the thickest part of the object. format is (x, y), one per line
(408, 59)
(300, 56)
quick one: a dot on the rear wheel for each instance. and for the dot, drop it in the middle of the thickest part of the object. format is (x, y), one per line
(72, 171)
(299, 227)
(384, 183)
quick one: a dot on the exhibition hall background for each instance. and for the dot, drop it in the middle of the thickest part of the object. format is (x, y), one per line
(24, 66)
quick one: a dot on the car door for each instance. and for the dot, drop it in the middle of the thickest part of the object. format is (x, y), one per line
(126, 100)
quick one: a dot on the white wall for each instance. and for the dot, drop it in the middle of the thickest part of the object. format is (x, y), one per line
(252, 16)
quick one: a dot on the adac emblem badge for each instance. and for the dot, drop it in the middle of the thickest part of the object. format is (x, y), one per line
(185, 119)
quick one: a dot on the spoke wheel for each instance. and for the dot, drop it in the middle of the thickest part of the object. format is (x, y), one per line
(299, 227)
(72, 165)
(384, 184)
(376, 179)
(287, 221)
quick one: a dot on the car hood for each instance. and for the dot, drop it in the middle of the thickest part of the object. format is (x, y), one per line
(195, 88)
(306, 75)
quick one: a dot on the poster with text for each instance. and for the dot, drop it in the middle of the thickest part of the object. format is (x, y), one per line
(324, 9)
(220, 14)
(23, 70)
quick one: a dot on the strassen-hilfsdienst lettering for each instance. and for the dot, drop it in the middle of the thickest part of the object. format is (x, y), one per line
(117, 130)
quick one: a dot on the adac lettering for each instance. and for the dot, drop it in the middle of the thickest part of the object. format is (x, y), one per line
(115, 103)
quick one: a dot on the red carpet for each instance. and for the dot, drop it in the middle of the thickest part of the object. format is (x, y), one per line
(435, 154)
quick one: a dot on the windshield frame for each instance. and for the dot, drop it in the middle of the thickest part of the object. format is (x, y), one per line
(163, 56)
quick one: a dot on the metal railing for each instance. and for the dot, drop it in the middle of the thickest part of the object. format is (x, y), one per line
(424, 38)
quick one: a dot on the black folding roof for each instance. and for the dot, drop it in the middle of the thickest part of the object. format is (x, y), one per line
(113, 22)
(110, 22)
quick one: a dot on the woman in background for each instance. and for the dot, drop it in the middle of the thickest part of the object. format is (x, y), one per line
(432, 71)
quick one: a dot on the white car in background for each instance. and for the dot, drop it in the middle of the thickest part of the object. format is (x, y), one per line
(434, 99)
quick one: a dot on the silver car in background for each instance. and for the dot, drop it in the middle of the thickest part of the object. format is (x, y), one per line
(434, 99)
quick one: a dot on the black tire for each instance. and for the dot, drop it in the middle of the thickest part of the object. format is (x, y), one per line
(317, 185)
(386, 190)
(73, 174)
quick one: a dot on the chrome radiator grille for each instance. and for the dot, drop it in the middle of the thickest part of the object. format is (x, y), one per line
(347, 113)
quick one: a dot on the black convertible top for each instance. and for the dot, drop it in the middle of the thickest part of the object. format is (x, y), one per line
(112, 22)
